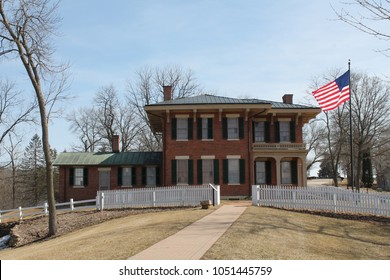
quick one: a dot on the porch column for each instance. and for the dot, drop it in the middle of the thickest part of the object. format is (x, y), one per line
(278, 175)
(302, 166)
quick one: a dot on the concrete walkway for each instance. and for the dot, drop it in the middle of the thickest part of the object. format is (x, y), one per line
(192, 242)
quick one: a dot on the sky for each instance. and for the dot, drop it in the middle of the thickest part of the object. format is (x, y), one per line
(235, 48)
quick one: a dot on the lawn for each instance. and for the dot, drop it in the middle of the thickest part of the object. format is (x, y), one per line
(266, 233)
(115, 239)
(259, 233)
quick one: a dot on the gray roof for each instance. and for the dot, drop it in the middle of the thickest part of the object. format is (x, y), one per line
(108, 159)
(213, 99)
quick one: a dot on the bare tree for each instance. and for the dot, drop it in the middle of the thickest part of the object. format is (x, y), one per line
(13, 152)
(95, 126)
(13, 110)
(26, 28)
(147, 88)
(314, 136)
(370, 114)
(85, 124)
(370, 16)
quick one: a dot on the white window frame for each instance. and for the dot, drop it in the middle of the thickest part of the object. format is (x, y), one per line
(207, 171)
(127, 178)
(151, 176)
(234, 171)
(284, 131)
(182, 171)
(78, 177)
(233, 127)
(286, 172)
(261, 172)
(182, 129)
(259, 131)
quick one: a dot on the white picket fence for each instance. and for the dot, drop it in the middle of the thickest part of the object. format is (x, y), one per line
(158, 197)
(23, 212)
(321, 198)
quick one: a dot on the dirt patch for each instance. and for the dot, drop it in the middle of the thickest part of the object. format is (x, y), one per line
(36, 229)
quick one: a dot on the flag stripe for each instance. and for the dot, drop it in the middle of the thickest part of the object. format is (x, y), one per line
(331, 95)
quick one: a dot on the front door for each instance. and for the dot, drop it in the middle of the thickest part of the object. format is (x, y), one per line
(104, 180)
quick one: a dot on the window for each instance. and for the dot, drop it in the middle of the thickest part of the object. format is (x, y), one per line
(182, 129)
(182, 171)
(207, 128)
(285, 131)
(126, 176)
(261, 176)
(259, 132)
(234, 171)
(78, 177)
(151, 176)
(232, 128)
(207, 171)
(286, 172)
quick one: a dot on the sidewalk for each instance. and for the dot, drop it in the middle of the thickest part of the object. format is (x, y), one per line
(192, 242)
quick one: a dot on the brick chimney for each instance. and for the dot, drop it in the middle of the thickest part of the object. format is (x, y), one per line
(288, 99)
(167, 93)
(115, 143)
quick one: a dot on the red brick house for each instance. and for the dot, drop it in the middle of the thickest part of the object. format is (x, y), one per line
(234, 143)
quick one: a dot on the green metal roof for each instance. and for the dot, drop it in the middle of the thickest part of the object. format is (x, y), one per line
(213, 99)
(108, 159)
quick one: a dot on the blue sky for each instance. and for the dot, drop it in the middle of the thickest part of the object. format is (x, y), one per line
(261, 49)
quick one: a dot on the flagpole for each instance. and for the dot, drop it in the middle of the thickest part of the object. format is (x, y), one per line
(350, 125)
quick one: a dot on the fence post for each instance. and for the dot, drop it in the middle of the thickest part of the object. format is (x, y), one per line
(71, 204)
(335, 202)
(256, 195)
(154, 199)
(45, 208)
(101, 198)
(294, 198)
(20, 213)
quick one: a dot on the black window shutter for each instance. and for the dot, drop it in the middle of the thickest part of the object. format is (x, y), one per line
(267, 132)
(174, 172)
(224, 128)
(190, 129)
(190, 172)
(241, 128)
(174, 128)
(225, 170)
(120, 176)
(85, 176)
(253, 132)
(158, 182)
(143, 176)
(268, 172)
(216, 171)
(133, 176)
(277, 132)
(294, 172)
(200, 171)
(292, 132)
(242, 171)
(71, 177)
(210, 128)
(199, 128)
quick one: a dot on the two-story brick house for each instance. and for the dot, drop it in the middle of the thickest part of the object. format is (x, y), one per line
(232, 142)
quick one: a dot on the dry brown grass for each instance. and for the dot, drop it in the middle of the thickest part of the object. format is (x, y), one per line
(265, 233)
(116, 239)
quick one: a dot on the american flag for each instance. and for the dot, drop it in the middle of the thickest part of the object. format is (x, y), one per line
(332, 95)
